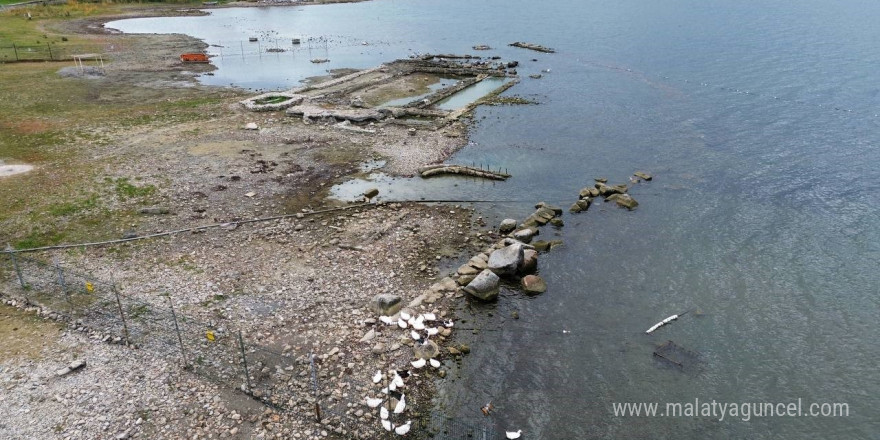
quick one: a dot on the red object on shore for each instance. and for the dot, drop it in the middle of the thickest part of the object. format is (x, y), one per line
(194, 58)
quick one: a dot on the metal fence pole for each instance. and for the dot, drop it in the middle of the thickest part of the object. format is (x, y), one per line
(15, 265)
(177, 330)
(63, 285)
(247, 375)
(16, 51)
(315, 387)
(51, 58)
(121, 314)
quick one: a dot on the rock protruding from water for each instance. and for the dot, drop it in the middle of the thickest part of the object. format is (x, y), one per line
(507, 225)
(543, 246)
(581, 205)
(644, 176)
(530, 261)
(484, 286)
(532, 46)
(623, 200)
(525, 235)
(607, 190)
(542, 215)
(386, 304)
(534, 284)
(506, 261)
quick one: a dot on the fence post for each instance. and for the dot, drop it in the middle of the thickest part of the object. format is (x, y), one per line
(315, 387)
(121, 314)
(16, 51)
(63, 285)
(51, 58)
(247, 375)
(177, 330)
(15, 265)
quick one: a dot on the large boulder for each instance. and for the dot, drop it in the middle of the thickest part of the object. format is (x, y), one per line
(525, 235)
(484, 286)
(506, 260)
(467, 269)
(534, 284)
(555, 209)
(507, 225)
(607, 190)
(530, 261)
(386, 304)
(626, 201)
(478, 262)
(642, 175)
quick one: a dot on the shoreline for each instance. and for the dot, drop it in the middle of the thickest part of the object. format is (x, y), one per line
(406, 244)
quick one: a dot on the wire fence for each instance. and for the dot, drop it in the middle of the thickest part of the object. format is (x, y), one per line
(286, 381)
(12, 52)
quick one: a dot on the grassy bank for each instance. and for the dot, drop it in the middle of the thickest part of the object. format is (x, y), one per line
(69, 128)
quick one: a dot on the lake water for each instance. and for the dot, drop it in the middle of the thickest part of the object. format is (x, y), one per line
(759, 121)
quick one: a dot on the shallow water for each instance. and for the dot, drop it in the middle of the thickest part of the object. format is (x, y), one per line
(759, 122)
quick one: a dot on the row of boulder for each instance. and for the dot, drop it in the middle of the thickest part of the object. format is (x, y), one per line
(611, 193)
(512, 258)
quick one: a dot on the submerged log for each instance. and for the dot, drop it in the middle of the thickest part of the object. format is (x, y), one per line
(436, 170)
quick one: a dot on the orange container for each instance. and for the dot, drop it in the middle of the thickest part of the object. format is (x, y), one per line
(194, 58)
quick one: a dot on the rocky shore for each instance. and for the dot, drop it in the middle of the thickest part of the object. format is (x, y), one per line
(297, 286)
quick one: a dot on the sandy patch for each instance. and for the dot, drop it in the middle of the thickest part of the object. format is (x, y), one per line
(10, 170)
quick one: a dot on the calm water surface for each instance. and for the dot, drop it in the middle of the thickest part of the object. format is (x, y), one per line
(759, 122)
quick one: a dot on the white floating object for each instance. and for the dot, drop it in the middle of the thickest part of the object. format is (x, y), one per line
(404, 428)
(430, 317)
(373, 403)
(661, 323)
(401, 404)
(401, 323)
(378, 376)
(418, 363)
(405, 316)
(415, 335)
(383, 413)
(432, 331)
(435, 363)
(387, 320)
(386, 424)
(513, 434)
(448, 323)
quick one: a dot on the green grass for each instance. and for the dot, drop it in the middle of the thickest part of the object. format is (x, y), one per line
(60, 125)
(69, 208)
(39, 239)
(271, 100)
(126, 190)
